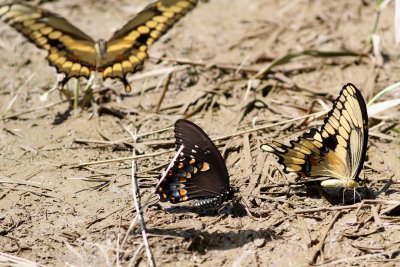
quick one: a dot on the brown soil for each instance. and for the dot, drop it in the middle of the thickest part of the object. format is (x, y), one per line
(53, 213)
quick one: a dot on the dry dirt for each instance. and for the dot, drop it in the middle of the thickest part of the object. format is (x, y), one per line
(54, 213)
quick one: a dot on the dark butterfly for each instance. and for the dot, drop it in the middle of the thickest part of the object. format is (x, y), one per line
(199, 171)
(75, 54)
(337, 150)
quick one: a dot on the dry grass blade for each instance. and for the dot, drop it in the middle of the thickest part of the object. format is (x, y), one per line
(321, 243)
(136, 198)
(379, 107)
(9, 106)
(316, 114)
(11, 260)
(121, 159)
(388, 89)
(313, 53)
(171, 164)
(15, 115)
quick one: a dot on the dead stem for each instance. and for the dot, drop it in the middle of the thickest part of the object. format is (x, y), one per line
(121, 159)
(165, 89)
(16, 115)
(136, 199)
(321, 243)
(30, 191)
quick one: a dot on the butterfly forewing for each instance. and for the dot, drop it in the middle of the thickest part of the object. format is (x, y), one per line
(199, 171)
(345, 131)
(338, 149)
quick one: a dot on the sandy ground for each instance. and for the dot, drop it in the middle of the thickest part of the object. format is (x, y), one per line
(54, 213)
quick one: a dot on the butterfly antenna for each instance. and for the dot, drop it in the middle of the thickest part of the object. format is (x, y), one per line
(171, 164)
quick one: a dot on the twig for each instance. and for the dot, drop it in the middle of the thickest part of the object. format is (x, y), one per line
(30, 191)
(316, 114)
(7, 180)
(8, 259)
(322, 241)
(270, 198)
(353, 259)
(132, 260)
(171, 164)
(232, 67)
(158, 72)
(288, 57)
(139, 215)
(121, 159)
(32, 110)
(78, 140)
(165, 89)
(355, 206)
(136, 199)
(9, 106)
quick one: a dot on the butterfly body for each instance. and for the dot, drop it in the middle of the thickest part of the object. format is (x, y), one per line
(76, 54)
(199, 171)
(337, 150)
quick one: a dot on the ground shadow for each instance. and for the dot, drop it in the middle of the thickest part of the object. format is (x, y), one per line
(234, 209)
(202, 241)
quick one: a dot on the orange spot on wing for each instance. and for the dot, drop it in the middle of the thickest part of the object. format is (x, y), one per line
(182, 192)
(205, 167)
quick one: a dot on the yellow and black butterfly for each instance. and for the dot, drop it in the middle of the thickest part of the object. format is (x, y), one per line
(75, 54)
(337, 150)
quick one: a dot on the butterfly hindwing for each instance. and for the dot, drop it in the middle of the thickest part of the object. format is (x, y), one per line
(75, 54)
(199, 171)
(337, 150)
(70, 50)
(127, 48)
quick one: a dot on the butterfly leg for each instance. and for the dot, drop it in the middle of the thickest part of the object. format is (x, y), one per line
(128, 87)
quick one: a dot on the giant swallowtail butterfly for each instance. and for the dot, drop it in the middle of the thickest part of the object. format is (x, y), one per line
(75, 54)
(337, 150)
(199, 171)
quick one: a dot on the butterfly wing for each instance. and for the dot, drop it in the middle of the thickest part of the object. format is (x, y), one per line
(199, 171)
(337, 150)
(70, 50)
(127, 48)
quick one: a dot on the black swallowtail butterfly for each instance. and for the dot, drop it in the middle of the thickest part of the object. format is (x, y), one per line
(199, 171)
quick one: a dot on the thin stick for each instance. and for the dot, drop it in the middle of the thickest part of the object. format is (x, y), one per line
(30, 191)
(121, 159)
(19, 261)
(123, 139)
(158, 72)
(322, 241)
(355, 206)
(165, 89)
(316, 114)
(353, 259)
(33, 110)
(171, 164)
(132, 260)
(136, 198)
(18, 93)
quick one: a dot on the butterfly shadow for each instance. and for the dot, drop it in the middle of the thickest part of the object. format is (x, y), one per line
(339, 196)
(201, 241)
(234, 209)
